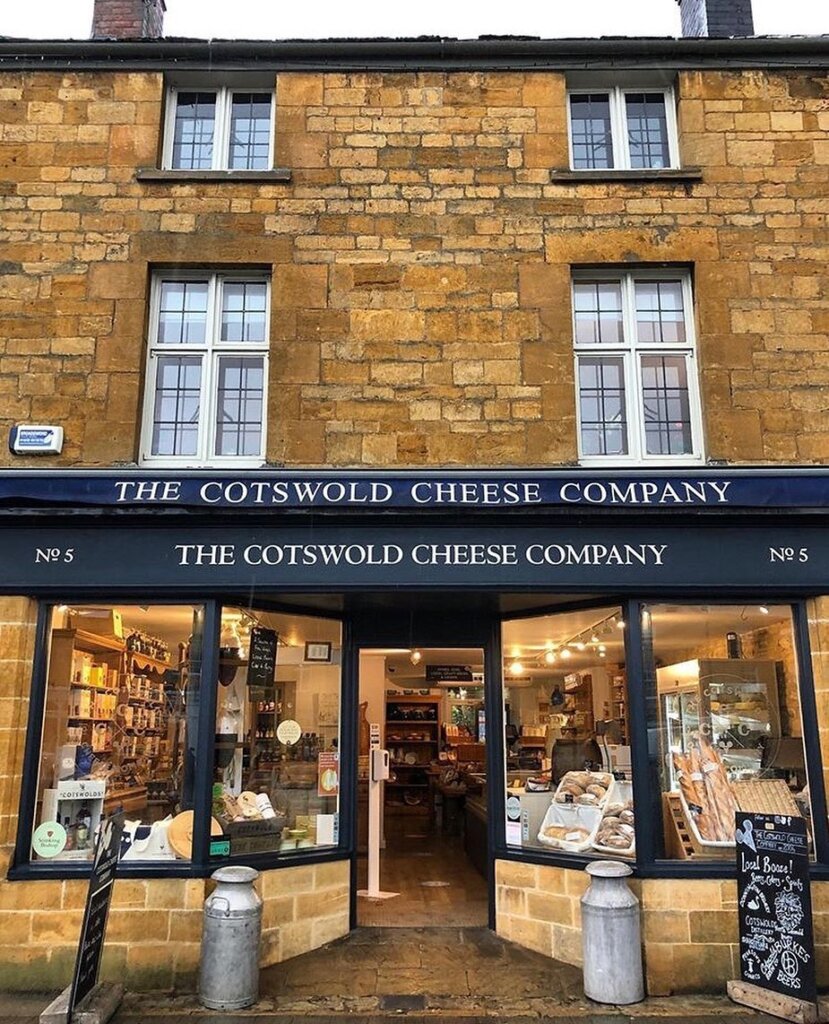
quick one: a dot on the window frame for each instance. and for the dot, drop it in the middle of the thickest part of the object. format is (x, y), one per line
(23, 867)
(221, 134)
(210, 352)
(618, 127)
(631, 352)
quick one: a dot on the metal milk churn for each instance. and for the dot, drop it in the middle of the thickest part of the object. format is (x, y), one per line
(610, 934)
(229, 973)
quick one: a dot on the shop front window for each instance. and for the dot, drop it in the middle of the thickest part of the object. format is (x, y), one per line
(276, 764)
(119, 730)
(567, 740)
(724, 682)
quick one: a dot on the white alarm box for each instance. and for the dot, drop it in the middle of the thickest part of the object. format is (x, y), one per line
(35, 439)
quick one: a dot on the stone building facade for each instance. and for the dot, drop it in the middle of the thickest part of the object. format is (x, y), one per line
(421, 259)
(420, 229)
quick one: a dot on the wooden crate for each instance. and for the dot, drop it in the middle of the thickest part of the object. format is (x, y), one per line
(680, 841)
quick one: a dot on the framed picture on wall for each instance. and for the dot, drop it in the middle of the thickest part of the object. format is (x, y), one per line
(318, 651)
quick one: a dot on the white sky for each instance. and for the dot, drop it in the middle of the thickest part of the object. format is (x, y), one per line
(465, 19)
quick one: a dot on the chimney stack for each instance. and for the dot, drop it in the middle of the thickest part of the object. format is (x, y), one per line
(128, 19)
(717, 19)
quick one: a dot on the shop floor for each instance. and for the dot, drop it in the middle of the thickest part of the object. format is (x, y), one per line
(435, 882)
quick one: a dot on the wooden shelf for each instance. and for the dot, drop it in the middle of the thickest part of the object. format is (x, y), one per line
(150, 662)
(90, 642)
(410, 732)
(95, 689)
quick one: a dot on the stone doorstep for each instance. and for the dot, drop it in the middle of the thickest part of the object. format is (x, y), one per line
(703, 1009)
(185, 1009)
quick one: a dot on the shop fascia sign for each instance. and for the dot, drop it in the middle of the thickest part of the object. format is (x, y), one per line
(292, 490)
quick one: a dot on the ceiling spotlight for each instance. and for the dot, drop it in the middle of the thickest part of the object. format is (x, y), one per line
(415, 657)
(516, 669)
(581, 645)
(602, 654)
(549, 657)
(565, 652)
(763, 610)
(602, 648)
(594, 639)
(620, 623)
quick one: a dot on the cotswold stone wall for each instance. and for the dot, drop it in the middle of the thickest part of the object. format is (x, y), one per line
(421, 259)
(689, 926)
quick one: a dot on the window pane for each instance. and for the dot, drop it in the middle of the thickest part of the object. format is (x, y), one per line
(243, 311)
(241, 383)
(182, 314)
(728, 708)
(566, 736)
(250, 130)
(602, 407)
(195, 126)
(666, 407)
(276, 776)
(647, 127)
(598, 312)
(590, 130)
(660, 313)
(119, 729)
(176, 405)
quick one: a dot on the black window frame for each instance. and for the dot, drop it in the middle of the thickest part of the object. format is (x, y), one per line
(201, 865)
(643, 724)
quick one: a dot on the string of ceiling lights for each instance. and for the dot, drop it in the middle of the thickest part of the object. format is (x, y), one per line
(592, 638)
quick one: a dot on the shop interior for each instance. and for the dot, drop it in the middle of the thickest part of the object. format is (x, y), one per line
(429, 706)
(124, 686)
(721, 688)
(722, 691)
(120, 724)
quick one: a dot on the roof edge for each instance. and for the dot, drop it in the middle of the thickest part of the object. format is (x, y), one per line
(424, 53)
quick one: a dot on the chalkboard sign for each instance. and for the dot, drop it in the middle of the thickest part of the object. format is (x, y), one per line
(93, 930)
(775, 905)
(262, 657)
(449, 673)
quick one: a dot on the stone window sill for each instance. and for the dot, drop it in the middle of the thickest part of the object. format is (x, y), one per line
(282, 174)
(669, 174)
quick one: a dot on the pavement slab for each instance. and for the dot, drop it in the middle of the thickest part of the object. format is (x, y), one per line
(415, 975)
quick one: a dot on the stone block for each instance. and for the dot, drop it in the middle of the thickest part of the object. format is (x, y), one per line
(327, 929)
(535, 935)
(663, 926)
(511, 900)
(701, 968)
(278, 910)
(299, 90)
(549, 907)
(150, 967)
(680, 894)
(295, 938)
(49, 928)
(288, 881)
(138, 926)
(302, 286)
